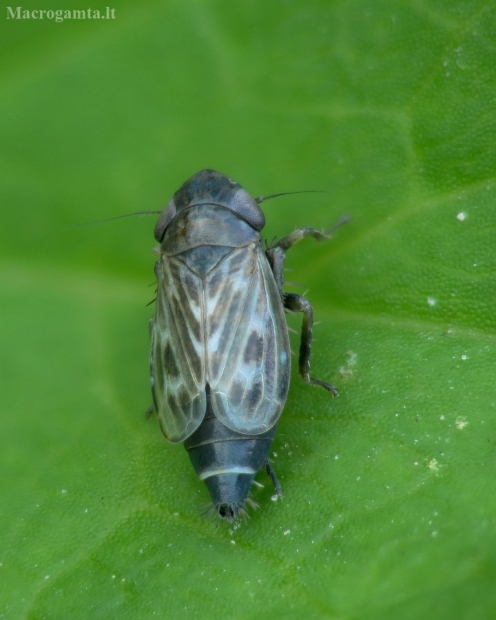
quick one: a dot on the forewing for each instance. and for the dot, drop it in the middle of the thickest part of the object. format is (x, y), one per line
(248, 356)
(177, 361)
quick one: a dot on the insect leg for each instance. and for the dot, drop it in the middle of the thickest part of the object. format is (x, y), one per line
(276, 256)
(300, 233)
(276, 251)
(272, 475)
(297, 235)
(298, 303)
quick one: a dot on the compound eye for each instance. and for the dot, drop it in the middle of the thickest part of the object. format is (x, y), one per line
(164, 220)
(247, 208)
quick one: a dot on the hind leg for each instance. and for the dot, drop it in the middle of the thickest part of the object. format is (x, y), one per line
(298, 303)
(272, 475)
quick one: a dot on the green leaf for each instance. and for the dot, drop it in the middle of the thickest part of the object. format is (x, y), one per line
(389, 507)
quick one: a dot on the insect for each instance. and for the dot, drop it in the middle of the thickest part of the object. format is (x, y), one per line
(220, 354)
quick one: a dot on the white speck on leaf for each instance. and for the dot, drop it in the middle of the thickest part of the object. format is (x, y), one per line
(431, 301)
(461, 423)
(433, 465)
(461, 217)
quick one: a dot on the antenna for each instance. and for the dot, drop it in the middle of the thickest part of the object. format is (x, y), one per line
(119, 217)
(303, 191)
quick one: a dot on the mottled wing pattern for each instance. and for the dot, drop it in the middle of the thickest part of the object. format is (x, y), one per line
(248, 355)
(177, 363)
